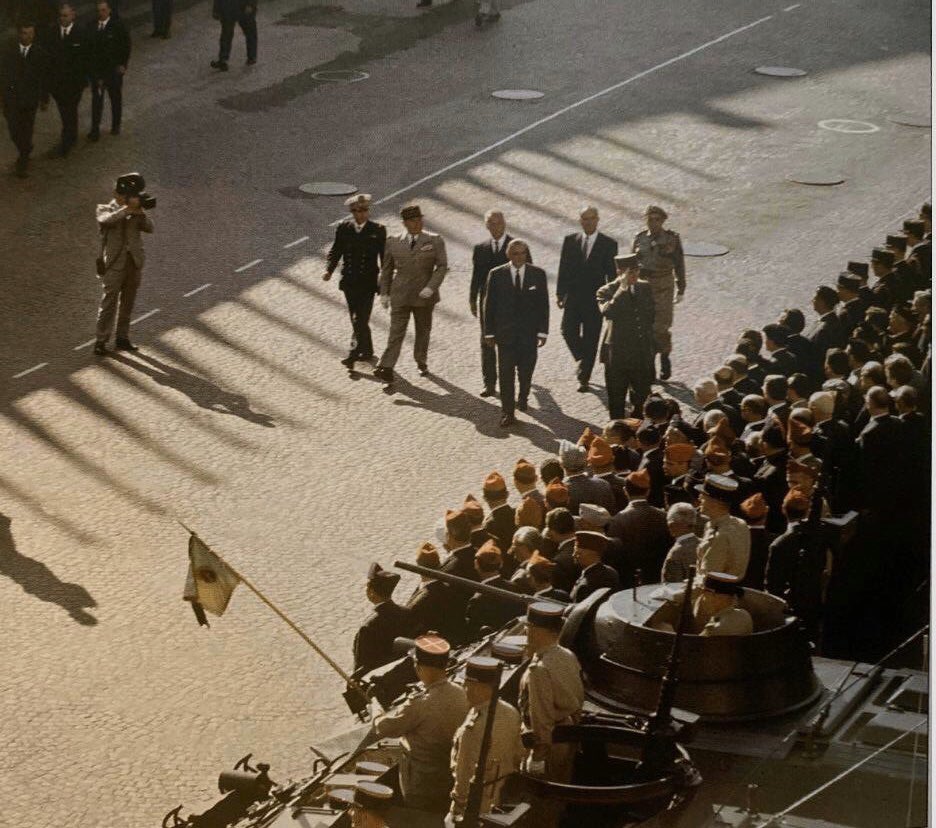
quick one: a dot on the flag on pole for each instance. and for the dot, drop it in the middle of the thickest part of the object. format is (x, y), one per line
(210, 582)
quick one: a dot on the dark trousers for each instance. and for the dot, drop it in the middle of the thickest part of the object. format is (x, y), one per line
(488, 363)
(67, 102)
(519, 358)
(623, 377)
(112, 84)
(581, 329)
(360, 306)
(162, 16)
(248, 24)
(20, 122)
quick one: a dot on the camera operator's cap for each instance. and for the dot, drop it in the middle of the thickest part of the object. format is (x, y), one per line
(130, 184)
(411, 211)
(372, 796)
(483, 669)
(882, 255)
(381, 581)
(858, 268)
(546, 615)
(914, 227)
(654, 210)
(719, 487)
(849, 281)
(431, 650)
(897, 240)
(723, 583)
(359, 200)
(626, 261)
(340, 799)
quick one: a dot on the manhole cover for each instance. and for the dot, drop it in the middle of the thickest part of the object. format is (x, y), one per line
(517, 94)
(691, 248)
(340, 75)
(851, 127)
(328, 188)
(817, 178)
(780, 71)
(910, 120)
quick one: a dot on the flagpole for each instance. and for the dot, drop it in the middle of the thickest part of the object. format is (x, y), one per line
(331, 663)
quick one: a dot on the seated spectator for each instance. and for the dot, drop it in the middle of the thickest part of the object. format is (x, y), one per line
(490, 612)
(753, 412)
(588, 553)
(527, 540)
(541, 579)
(560, 532)
(582, 488)
(430, 605)
(754, 511)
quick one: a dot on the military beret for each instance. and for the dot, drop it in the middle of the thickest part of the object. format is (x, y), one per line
(626, 261)
(431, 650)
(557, 494)
(914, 227)
(457, 523)
(381, 581)
(545, 614)
(777, 333)
(473, 510)
(898, 240)
(524, 472)
(483, 669)
(723, 433)
(716, 453)
(827, 294)
(599, 453)
(723, 583)
(679, 452)
(427, 555)
(882, 255)
(529, 513)
(858, 268)
(494, 484)
(359, 200)
(755, 507)
(849, 281)
(653, 209)
(411, 211)
(639, 479)
(719, 487)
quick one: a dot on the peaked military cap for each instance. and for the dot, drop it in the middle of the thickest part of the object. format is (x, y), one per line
(505, 651)
(372, 796)
(431, 650)
(858, 268)
(719, 487)
(849, 281)
(882, 255)
(381, 581)
(898, 240)
(653, 209)
(359, 200)
(595, 541)
(914, 227)
(483, 669)
(827, 294)
(626, 261)
(546, 615)
(723, 583)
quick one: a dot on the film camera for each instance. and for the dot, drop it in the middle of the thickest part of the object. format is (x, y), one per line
(133, 184)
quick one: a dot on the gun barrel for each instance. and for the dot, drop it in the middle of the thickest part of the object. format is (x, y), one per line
(474, 586)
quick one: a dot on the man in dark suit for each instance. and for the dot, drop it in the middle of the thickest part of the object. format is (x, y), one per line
(516, 319)
(642, 529)
(781, 359)
(244, 14)
(490, 611)
(589, 549)
(586, 263)
(560, 530)
(108, 57)
(460, 562)
(430, 605)
(627, 347)
(486, 256)
(800, 346)
(827, 331)
(851, 310)
(373, 644)
(920, 252)
(24, 88)
(67, 46)
(882, 454)
(359, 245)
(162, 18)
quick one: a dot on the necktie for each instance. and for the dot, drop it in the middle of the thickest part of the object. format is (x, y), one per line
(496, 246)
(412, 242)
(585, 246)
(23, 51)
(517, 281)
(100, 27)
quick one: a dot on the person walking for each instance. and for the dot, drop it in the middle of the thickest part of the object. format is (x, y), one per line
(244, 14)
(24, 88)
(67, 46)
(108, 58)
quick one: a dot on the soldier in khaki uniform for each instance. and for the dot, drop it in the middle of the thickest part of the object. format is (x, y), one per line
(505, 752)
(662, 264)
(414, 265)
(426, 725)
(716, 608)
(726, 545)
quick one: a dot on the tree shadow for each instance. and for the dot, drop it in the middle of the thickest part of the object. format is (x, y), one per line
(37, 579)
(204, 393)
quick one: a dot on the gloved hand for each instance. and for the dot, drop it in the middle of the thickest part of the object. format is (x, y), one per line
(385, 302)
(677, 298)
(449, 821)
(425, 293)
(534, 767)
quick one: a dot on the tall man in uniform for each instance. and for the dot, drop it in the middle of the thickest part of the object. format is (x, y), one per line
(414, 265)
(627, 342)
(661, 264)
(516, 320)
(585, 264)
(24, 89)
(108, 59)
(426, 724)
(359, 245)
(67, 45)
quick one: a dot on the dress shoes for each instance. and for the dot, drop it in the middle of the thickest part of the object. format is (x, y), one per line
(583, 388)
(508, 420)
(666, 369)
(115, 131)
(22, 167)
(384, 374)
(251, 61)
(99, 349)
(423, 369)
(487, 391)
(349, 361)
(124, 345)
(219, 64)
(521, 404)
(94, 135)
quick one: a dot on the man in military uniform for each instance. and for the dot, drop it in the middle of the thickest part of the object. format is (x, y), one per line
(627, 344)
(726, 544)
(505, 751)
(414, 265)
(716, 610)
(359, 245)
(661, 263)
(373, 644)
(426, 725)
(551, 694)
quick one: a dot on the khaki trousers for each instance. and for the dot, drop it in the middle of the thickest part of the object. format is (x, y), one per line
(663, 286)
(399, 321)
(120, 290)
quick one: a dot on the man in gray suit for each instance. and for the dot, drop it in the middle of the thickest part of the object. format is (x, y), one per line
(414, 265)
(121, 221)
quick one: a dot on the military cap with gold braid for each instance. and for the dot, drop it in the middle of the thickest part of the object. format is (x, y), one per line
(372, 796)
(359, 200)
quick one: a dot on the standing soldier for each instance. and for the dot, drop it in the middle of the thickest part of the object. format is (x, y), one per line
(661, 262)
(627, 343)
(426, 725)
(359, 245)
(505, 750)
(414, 265)
(67, 46)
(585, 264)
(551, 693)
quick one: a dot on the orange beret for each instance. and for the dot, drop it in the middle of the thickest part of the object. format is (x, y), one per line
(473, 510)
(557, 494)
(723, 432)
(599, 453)
(587, 436)
(537, 558)
(796, 499)
(679, 452)
(494, 484)
(428, 555)
(529, 513)
(639, 479)
(489, 556)
(755, 507)
(524, 472)
(798, 432)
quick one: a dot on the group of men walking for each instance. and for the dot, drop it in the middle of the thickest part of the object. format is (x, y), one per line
(630, 296)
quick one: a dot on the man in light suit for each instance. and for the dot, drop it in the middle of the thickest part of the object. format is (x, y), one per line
(414, 265)
(585, 264)
(516, 320)
(121, 221)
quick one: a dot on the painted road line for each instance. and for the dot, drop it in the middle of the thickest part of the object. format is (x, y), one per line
(296, 242)
(84, 345)
(197, 290)
(146, 315)
(30, 370)
(790, 8)
(249, 265)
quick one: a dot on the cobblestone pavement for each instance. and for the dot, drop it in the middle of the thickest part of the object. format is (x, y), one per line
(235, 416)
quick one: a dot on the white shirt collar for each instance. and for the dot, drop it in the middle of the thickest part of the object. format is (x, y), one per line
(499, 242)
(102, 23)
(66, 29)
(359, 227)
(515, 270)
(24, 50)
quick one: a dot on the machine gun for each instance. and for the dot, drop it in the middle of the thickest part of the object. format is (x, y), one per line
(475, 586)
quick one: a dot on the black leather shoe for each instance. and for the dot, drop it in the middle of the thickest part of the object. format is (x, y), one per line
(423, 369)
(219, 64)
(94, 135)
(99, 349)
(349, 361)
(666, 370)
(583, 388)
(125, 345)
(384, 374)
(115, 131)
(251, 61)
(521, 405)
(487, 391)
(508, 420)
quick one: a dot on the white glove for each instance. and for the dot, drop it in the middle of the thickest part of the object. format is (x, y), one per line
(385, 302)
(449, 821)
(534, 767)
(425, 293)
(677, 298)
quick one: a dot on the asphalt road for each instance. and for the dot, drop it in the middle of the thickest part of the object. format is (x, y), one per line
(236, 416)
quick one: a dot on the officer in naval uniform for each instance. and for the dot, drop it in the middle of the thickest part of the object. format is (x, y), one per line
(663, 266)
(505, 751)
(359, 246)
(414, 265)
(426, 725)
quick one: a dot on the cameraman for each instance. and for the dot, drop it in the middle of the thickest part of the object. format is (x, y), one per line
(121, 264)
